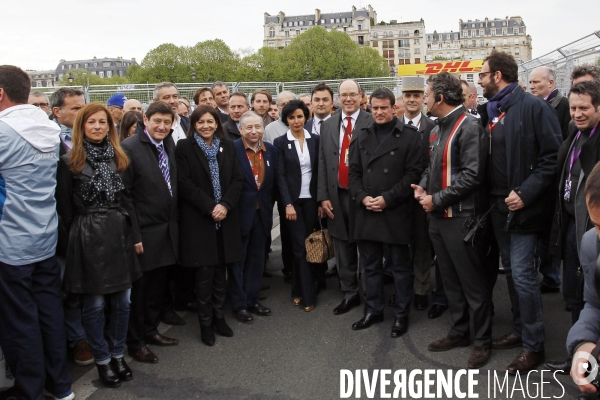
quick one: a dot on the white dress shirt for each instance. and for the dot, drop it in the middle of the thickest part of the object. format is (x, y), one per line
(343, 127)
(416, 121)
(316, 124)
(178, 132)
(304, 158)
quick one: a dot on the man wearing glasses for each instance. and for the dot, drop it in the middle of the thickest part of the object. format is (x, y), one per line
(334, 160)
(523, 132)
(40, 100)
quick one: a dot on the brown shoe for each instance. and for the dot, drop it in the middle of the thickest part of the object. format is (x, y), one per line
(509, 341)
(160, 340)
(448, 343)
(143, 355)
(526, 361)
(479, 357)
(82, 353)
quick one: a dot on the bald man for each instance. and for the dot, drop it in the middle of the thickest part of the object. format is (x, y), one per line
(133, 105)
(278, 128)
(542, 83)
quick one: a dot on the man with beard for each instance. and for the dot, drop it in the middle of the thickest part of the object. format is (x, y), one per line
(523, 133)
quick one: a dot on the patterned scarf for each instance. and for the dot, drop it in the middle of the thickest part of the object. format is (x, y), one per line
(500, 99)
(101, 189)
(211, 154)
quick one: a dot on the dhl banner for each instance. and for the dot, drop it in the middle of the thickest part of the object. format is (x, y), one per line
(432, 68)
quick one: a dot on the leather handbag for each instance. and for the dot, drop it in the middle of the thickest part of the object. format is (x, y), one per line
(319, 246)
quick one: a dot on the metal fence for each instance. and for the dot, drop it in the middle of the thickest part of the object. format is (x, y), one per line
(562, 60)
(144, 92)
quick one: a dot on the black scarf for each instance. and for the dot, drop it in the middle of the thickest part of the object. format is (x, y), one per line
(101, 189)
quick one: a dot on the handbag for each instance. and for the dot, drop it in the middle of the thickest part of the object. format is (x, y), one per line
(319, 246)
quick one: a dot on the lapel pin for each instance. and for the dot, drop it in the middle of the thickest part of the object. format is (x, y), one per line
(289, 146)
(268, 165)
(221, 149)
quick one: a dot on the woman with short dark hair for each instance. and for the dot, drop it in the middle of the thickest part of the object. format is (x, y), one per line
(210, 184)
(101, 262)
(297, 165)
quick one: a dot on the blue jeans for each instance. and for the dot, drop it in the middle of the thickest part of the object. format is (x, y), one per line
(32, 331)
(93, 322)
(401, 268)
(549, 268)
(73, 324)
(245, 275)
(517, 252)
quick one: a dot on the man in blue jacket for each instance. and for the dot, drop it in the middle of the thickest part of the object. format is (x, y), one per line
(32, 332)
(258, 161)
(524, 140)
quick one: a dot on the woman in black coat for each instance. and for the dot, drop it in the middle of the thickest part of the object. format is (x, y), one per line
(101, 263)
(297, 164)
(210, 184)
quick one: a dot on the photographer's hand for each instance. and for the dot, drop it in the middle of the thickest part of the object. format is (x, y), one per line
(577, 369)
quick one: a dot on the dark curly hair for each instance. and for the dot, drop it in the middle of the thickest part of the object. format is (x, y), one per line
(447, 85)
(291, 107)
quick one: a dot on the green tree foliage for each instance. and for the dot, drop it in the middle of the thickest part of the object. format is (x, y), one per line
(82, 77)
(326, 55)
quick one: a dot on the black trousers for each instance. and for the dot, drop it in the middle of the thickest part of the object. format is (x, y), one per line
(287, 253)
(211, 287)
(147, 295)
(302, 276)
(465, 278)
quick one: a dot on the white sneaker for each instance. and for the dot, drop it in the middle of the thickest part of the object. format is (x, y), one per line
(70, 396)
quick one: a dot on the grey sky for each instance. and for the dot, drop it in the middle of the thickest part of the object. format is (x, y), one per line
(37, 34)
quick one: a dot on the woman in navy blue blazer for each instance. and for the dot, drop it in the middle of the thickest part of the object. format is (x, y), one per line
(297, 164)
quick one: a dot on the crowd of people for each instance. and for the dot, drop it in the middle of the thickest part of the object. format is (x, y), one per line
(113, 217)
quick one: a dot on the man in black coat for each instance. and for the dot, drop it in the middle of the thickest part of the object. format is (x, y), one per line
(542, 82)
(238, 105)
(151, 178)
(385, 159)
(258, 162)
(524, 141)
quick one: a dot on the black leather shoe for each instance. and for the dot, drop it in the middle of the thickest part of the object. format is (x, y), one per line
(144, 355)
(160, 340)
(501, 270)
(244, 316)
(331, 273)
(400, 327)
(108, 377)
(561, 367)
(221, 327)
(264, 286)
(259, 309)
(207, 335)
(121, 368)
(508, 341)
(568, 308)
(392, 300)
(367, 321)
(320, 285)
(548, 289)
(347, 305)
(171, 318)
(436, 311)
(421, 301)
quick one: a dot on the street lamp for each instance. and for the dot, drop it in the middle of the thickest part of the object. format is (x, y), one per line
(193, 76)
(70, 79)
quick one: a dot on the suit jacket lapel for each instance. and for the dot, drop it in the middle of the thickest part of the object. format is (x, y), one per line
(243, 157)
(336, 134)
(361, 122)
(201, 156)
(269, 167)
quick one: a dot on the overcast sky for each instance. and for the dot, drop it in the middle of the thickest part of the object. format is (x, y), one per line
(37, 34)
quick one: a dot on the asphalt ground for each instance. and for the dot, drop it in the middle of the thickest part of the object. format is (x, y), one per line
(297, 355)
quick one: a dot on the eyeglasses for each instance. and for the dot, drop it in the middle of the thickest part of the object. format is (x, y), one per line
(346, 95)
(40, 104)
(482, 74)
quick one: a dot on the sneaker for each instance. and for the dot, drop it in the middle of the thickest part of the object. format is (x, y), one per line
(70, 395)
(82, 353)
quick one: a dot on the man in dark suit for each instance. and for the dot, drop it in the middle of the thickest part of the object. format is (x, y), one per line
(322, 102)
(258, 161)
(413, 89)
(238, 105)
(542, 82)
(385, 160)
(332, 192)
(151, 177)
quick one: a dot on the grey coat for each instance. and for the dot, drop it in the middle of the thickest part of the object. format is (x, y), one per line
(587, 328)
(327, 186)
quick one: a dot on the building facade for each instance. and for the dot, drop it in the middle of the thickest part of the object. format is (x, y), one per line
(103, 67)
(476, 39)
(399, 43)
(42, 78)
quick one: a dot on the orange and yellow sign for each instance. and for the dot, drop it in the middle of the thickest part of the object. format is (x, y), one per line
(432, 68)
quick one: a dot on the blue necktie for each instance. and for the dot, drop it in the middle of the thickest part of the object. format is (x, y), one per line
(164, 166)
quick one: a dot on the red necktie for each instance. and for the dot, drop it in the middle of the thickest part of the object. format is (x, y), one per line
(344, 156)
